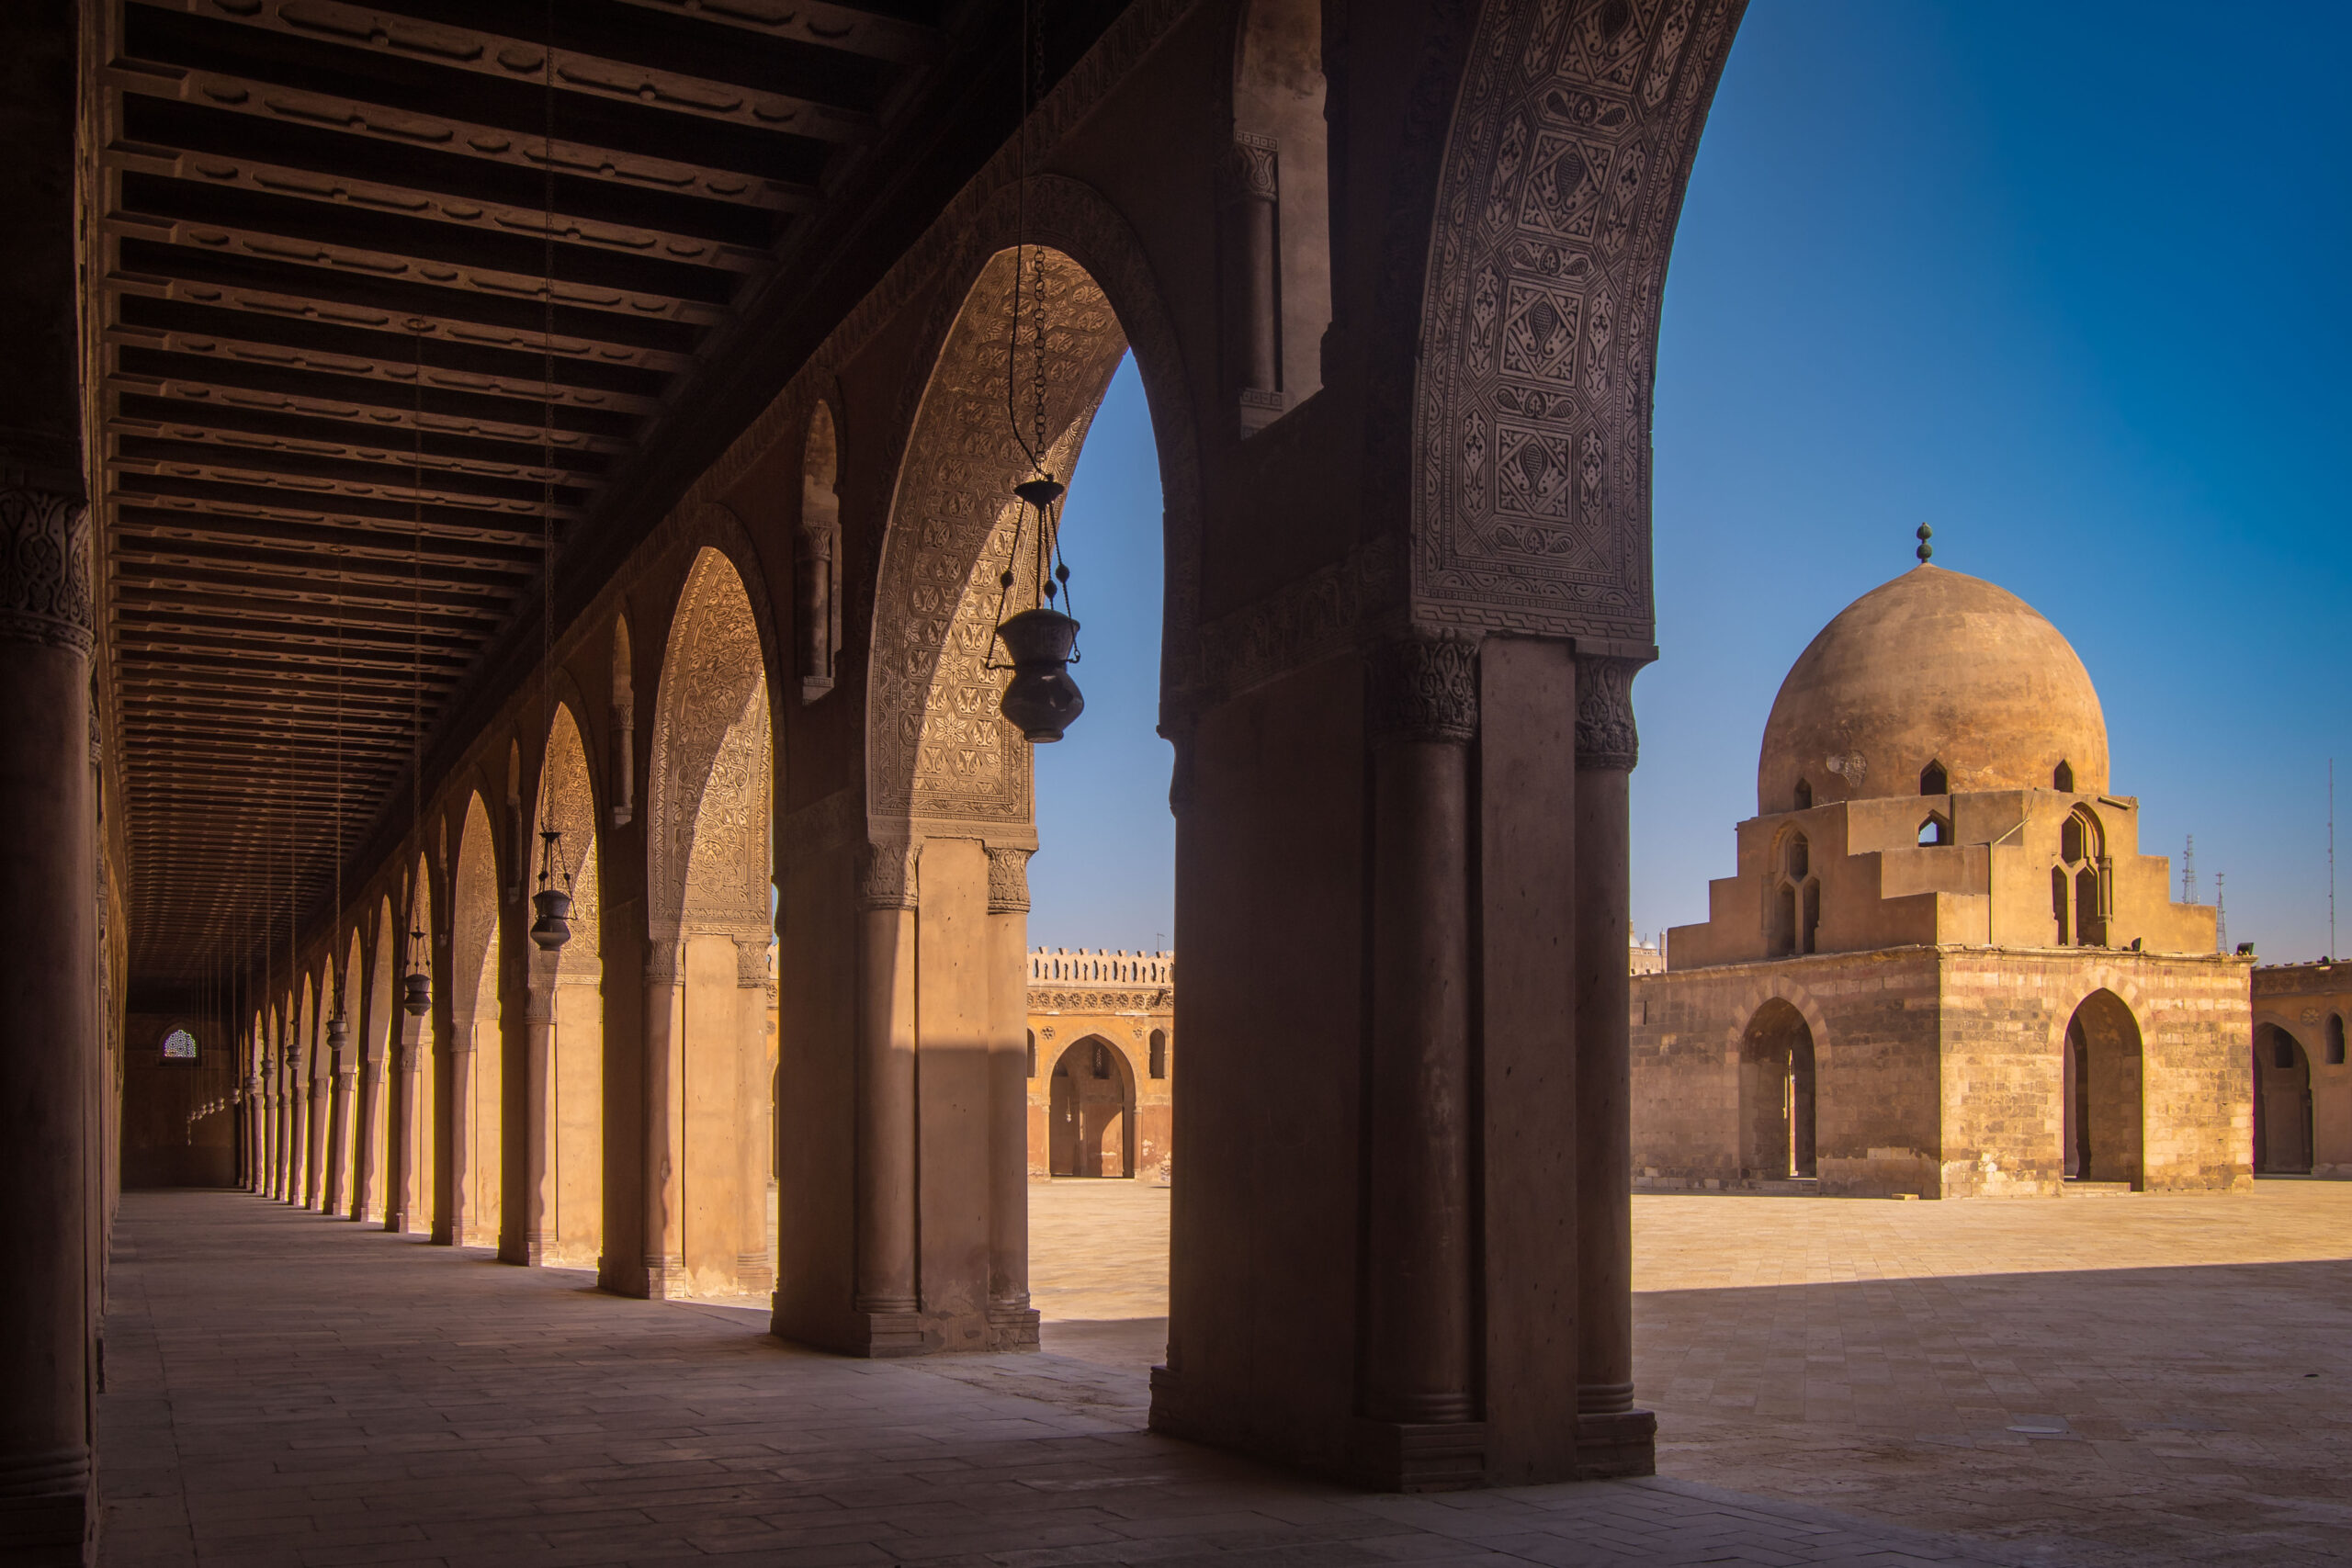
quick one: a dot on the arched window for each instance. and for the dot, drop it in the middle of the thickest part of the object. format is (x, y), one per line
(2058, 902)
(1160, 1050)
(1935, 830)
(2061, 778)
(1934, 781)
(179, 1045)
(1033, 1053)
(1800, 855)
(2336, 1040)
(1805, 795)
(2082, 846)
(2282, 1052)
(1792, 909)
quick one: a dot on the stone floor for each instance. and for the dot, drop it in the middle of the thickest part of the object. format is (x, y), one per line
(2119, 1380)
(284, 1389)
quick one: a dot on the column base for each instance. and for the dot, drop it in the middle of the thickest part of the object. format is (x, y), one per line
(1618, 1444)
(665, 1278)
(1404, 1456)
(883, 1335)
(49, 1529)
(1012, 1329)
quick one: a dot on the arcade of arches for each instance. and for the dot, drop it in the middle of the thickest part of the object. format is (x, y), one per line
(465, 436)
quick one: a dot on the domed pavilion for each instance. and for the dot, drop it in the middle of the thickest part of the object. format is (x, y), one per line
(1941, 968)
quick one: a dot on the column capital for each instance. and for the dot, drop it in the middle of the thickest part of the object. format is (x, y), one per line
(1009, 881)
(44, 567)
(1605, 734)
(1424, 687)
(886, 876)
(751, 962)
(1251, 171)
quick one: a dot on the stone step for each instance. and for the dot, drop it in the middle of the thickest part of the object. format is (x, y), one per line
(2077, 1188)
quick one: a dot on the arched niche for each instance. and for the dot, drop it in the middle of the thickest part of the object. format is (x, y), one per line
(417, 1125)
(2101, 1079)
(573, 1226)
(817, 557)
(374, 1132)
(475, 1022)
(2282, 1103)
(1777, 1094)
(1090, 1110)
(1274, 211)
(710, 878)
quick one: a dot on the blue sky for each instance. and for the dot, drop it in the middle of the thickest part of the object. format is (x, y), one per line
(2068, 282)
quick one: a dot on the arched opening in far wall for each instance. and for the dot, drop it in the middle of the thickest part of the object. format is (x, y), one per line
(2282, 1103)
(1090, 1114)
(2102, 1081)
(1777, 1095)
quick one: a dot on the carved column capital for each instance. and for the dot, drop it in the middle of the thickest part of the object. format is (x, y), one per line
(1605, 733)
(44, 567)
(751, 962)
(1251, 171)
(885, 877)
(1009, 881)
(1424, 688)
(661, 964)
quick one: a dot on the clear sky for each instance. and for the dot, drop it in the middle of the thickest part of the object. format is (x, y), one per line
(2068, 282)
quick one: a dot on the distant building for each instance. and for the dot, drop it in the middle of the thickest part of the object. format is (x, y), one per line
(2302, 1086)
(1941, 968)
(1102, 1063)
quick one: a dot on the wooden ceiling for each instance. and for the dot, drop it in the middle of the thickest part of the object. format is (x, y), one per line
(326, 394)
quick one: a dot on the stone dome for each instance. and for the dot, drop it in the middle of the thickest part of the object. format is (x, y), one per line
(1935, 666)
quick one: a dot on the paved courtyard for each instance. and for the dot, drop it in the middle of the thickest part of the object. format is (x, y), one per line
(2110, 1380)
(2096, 1381)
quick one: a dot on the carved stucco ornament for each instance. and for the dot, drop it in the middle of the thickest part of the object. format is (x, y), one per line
(886, 876)
(1605, 734)
(44, 567)
(1424, 688)
(1008, 880)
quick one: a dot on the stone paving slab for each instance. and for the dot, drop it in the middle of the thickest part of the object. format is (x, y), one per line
(286, 1391)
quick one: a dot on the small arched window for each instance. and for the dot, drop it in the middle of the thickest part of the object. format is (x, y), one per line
(2336, 1040)
(1102, 1060)
(1934, 781)
(1800, 855)
(1935, 830)
(179, 1045)
(2061, 778)
(2282, 1052)
(2058, 889)
(1805, 795)
(1033, 1053)
(1160, 1052)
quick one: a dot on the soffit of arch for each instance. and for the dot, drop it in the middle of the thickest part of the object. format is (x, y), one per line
(727, 858)
(937, 745)
(1557, 199)
(570, 810)
(713, 700)
(473, 914)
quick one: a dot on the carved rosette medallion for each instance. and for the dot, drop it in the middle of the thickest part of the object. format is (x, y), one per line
(1424, 688)
(44, 567)
(1008, 880)
(885, 877)
(1605, 733)
(1556, 202)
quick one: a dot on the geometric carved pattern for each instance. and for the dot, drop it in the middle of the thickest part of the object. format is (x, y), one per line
(939, 746)
(1556, 201)
(44, 567)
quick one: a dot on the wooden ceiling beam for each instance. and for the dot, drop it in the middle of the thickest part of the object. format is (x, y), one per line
(843, 28)
(346, 571)
(139, 522)
(222, 634)
(390, 434)
(273, 607)
(306, 591)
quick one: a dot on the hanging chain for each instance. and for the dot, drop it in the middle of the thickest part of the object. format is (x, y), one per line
(548, 837)
(417, 328)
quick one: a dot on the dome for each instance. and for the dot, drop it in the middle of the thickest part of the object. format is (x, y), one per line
(1934, 668)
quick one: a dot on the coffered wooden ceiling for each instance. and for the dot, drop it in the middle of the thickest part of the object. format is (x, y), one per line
(323, 380)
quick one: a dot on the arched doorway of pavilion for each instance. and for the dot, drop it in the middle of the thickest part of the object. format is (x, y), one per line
(1777, 1095)
(2282, 1103)
(2100, 1079)
(710, 876)
(570, 985)
(474, 1070)
(1090, 1114)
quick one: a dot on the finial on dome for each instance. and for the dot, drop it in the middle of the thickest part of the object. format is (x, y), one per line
(1925, 549)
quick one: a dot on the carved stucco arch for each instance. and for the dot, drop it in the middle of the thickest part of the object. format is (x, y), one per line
(1556, 202)
(570, 803)
(473, 913)
(711, 771)
(936, 747)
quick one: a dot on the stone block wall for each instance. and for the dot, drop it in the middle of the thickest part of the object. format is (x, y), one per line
(1939, 1070)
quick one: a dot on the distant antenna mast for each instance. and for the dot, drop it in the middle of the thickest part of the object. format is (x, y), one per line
(2220, 914)
(2188, 871)
(2331, 859)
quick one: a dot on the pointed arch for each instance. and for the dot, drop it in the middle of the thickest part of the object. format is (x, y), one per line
(475, 1082)
(1090, 1110)
(572, 1226)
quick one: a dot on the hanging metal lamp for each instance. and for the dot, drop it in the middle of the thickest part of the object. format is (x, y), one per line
(338, 1033)
(416, 986)
(1041, 700)
(553, 927)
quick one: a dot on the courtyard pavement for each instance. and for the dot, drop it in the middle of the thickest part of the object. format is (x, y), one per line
(2095, 1380)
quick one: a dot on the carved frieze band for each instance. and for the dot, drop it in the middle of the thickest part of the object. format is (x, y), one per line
(885, 877)
(44, 567)
(1605, 733)
(1008, 880)
(1424, 688)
